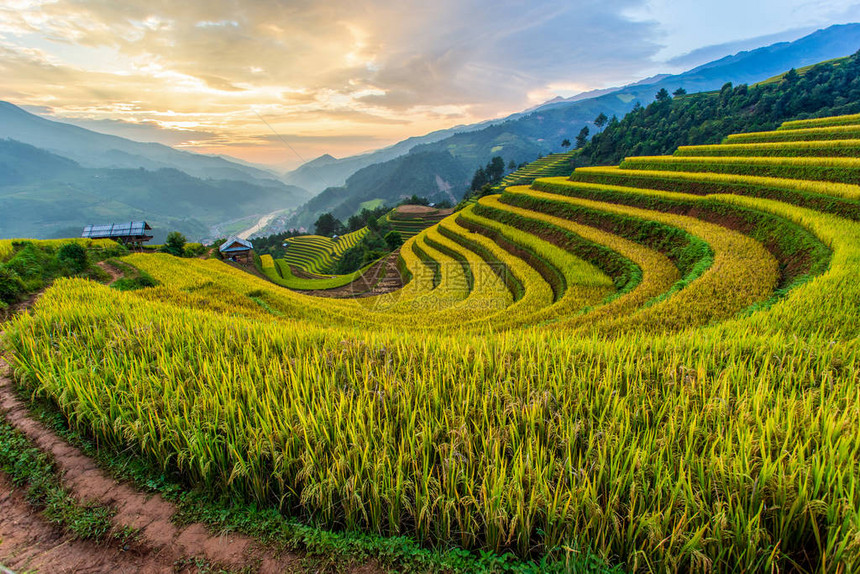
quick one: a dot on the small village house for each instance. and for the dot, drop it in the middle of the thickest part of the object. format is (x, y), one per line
(236, 249)
(132, 234)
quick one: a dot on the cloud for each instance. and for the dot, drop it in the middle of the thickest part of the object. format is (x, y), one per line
(145, 131)
(180, 70)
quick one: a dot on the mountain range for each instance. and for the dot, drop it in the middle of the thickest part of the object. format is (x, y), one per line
(55, 177)
(527, 135)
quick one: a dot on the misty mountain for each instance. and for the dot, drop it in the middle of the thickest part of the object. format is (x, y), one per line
(96, 150)
(327, 171)
(415, 171)
(525, 136)
(44, 195)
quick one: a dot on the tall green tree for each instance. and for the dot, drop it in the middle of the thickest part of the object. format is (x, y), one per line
(175, 244)
(495, 170)
(582, 138)
(479, 179)
(328, 225)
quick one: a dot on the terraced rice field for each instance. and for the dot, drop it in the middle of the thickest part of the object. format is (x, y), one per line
(552, 165)
(409, 220)
(314, 253)
(657, 364)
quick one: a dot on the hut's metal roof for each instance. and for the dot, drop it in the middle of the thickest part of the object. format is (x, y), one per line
(235, 244)
(129, 229)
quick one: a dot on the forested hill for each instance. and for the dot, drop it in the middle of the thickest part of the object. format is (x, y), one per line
(827, 89)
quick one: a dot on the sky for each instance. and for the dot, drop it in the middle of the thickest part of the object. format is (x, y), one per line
(281, 82)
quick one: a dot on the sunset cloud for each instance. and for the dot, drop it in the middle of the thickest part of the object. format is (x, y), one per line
(339, 76)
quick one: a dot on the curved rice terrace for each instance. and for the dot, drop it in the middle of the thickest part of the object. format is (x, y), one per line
(552, 165)
(656, 364)
(314, 253)
(410, 220)
(307, 258)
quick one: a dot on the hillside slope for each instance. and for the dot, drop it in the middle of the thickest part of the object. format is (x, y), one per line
(44, 195)
(829, 88)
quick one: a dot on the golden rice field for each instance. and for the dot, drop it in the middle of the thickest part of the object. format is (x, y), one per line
(658, 363)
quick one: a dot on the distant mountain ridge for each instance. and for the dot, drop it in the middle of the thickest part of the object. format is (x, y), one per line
(96, 150)
(56, 177)
(524, 136)
(328, 171)
(44, 195)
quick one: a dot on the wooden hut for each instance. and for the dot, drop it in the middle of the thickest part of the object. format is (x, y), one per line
(236, 249)
(132, 233)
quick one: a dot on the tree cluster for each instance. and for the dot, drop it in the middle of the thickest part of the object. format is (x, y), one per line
(380, 240)
(831, 88)
(365, 217)
(274, 244)
(328, 225)
(490, 175)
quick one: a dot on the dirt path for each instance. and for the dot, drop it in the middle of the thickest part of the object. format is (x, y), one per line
(28, 543)
(151, 515)
(115, 274)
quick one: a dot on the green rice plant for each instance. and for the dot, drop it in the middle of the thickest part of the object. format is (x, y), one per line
(838, 170)
(848, 132)
(581, 284)
(423, 275)
(847, 120)
(488, 293)
(552, 165)
(280, 273)
(315, 254)
(531, 291)
(837, 148)
(658, 274)
(449, 285)
(813, 308)
(799, 253)
(743, 272)
(410, 224)
(684, 250)
(838, 199)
